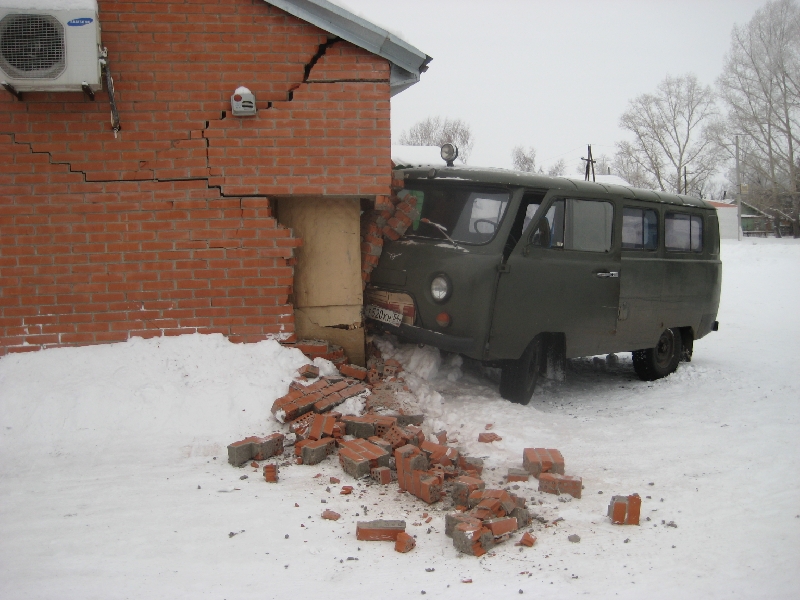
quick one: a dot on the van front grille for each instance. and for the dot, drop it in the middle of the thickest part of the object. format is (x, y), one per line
(32, 46)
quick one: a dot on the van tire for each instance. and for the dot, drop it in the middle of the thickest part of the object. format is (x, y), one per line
(654, 363)
(518, 377)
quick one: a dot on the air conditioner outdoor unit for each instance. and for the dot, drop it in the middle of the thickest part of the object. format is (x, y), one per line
(50, 45)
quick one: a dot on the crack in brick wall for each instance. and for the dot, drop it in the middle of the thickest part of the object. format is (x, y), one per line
(168, 228)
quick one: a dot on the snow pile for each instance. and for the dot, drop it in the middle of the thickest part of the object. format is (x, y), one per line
(421, 364)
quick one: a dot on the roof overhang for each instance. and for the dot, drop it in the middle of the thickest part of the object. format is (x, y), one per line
(407, 62)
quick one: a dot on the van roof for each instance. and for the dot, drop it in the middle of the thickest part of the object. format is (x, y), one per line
(531, 180)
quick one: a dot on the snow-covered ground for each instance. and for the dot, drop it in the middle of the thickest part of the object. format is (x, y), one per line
(114, 481)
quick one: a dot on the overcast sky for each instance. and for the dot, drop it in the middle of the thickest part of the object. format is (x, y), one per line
(556, 75)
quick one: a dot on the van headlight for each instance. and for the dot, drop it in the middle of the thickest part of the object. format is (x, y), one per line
(440, 288)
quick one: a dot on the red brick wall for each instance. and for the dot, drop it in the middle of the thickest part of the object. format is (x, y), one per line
(168, 228)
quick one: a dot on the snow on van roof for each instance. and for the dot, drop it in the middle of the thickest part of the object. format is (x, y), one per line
(415, 156)
(606, 179)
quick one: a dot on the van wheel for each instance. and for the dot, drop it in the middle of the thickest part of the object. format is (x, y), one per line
(658, 362)
(518, 377)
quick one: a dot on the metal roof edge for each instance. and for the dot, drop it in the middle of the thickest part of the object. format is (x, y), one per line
(407, 61)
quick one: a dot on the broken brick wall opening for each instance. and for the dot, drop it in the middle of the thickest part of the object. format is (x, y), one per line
(327, 294)
(168, 228)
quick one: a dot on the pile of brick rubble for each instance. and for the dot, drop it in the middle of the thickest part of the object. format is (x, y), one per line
(388, 445)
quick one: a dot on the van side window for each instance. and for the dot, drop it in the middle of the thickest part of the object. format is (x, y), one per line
(589, 225)
(639, 229)
(549, 233)
(683, 232)
(585, 225)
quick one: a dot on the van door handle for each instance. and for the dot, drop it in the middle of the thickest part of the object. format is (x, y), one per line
(608, 274)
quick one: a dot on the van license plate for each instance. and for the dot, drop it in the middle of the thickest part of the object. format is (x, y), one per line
(378, 313)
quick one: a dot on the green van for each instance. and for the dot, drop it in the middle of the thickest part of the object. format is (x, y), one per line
(523, 271)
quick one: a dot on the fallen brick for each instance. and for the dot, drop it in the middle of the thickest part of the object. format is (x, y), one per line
(404, 542)
(469, 463)
(346, 490)
(488, 438)
(310, 371)
(321, 426)
(382, 475)
(506, 500)
(360, 427)
(501, 526)
(428, 489)
(255, 448)
(271, 473)
(453, 519)
(358, 456)
(335, 480)
(526, 540)
(517, 475)
(312, 347)
(315, 451)
(555, 483)
(472, 539)
(396, 436)
(379, 530)
(624, 510)
(354, 371)
(542, 460)
(462, 488)
(381, 443)
(330, 515)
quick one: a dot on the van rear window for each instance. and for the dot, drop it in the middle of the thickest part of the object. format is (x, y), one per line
(468, 214)
(683, 232)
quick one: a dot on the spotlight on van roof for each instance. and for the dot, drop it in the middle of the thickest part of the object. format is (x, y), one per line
(449, 153)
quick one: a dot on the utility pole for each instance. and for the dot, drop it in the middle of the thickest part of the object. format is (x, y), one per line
(738, 192)
(589, 164)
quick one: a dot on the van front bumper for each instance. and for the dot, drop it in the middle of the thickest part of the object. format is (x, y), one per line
(418, 335)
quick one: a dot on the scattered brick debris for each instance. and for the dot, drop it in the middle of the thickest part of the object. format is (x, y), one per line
(271, 473)
(515, 474)
(255, 448)
(541, 460)
(309, 371)
(386, 445)
(624, 510)
(404, 542)
(555, 483)
(527, 540)
(379, 530)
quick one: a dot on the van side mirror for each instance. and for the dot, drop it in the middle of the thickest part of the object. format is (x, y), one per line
(540, 236)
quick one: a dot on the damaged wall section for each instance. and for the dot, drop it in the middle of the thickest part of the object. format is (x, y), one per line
(327, 283)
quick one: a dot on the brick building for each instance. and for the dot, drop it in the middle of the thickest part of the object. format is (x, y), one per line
(191, 219)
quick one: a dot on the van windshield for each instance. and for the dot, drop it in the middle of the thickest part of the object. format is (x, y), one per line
(469, 214)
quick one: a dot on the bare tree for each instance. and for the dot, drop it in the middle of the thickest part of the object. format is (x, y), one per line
(672, 134)
(435, 131)
(524, 159)
(760, 84)
(558, 168)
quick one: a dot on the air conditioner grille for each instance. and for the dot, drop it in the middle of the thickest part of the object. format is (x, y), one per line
(32, 46)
